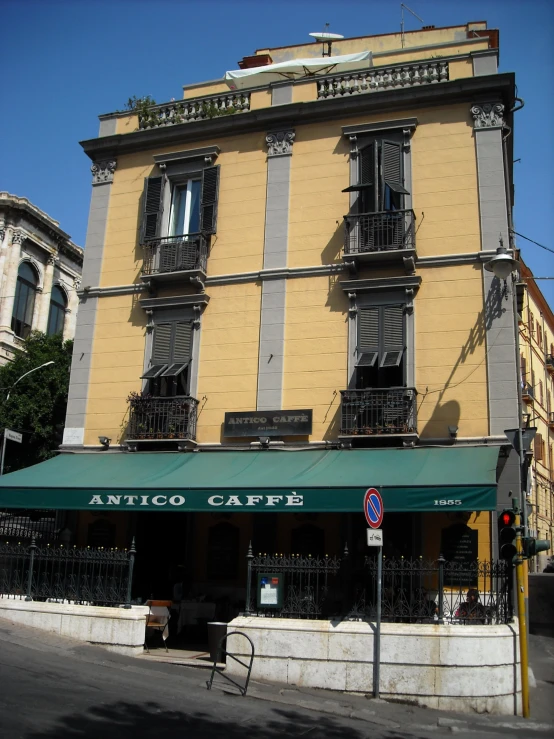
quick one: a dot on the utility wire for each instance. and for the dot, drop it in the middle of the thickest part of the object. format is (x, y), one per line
(542, 246)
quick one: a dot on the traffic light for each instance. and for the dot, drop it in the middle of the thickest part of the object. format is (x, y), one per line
(532, 547)
(507, 534)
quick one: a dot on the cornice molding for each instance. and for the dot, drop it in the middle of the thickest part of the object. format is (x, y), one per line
(206, 153)
(176, 301)
(380, 284)
(461, 90)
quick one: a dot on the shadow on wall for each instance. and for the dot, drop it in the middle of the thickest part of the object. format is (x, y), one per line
(448, 414)
(445, 415)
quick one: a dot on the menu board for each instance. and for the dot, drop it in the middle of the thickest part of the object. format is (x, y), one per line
(459, 545)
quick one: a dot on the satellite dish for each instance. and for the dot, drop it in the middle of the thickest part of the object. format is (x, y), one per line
(325, 37)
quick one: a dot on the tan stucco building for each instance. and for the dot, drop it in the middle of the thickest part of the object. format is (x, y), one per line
(284, 303)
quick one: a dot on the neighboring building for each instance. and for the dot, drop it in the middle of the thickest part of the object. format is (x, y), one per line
(536, 344)
(40, 272)
(283, 305)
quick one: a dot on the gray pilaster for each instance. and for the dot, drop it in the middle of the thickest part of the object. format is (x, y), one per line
(86, 317)
(281, 94)
(272, 319)
(485, 62)
(500, 336)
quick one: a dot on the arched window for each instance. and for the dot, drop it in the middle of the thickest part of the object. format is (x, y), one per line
(56, 317)
(24, 303)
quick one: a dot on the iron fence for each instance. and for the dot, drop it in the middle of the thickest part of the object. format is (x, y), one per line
(175, 254)
(162, 418)
(413, 590)
(22, 524)
(383, 411)
(309, 585)
(374, 232)
(100, 577)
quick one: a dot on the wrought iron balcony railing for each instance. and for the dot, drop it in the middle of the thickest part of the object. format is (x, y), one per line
(528, 392)
(383, 411)
(367, 233)
(175, 254)
(383, 78)
(162, 418)
(198, 109)
(550, 363)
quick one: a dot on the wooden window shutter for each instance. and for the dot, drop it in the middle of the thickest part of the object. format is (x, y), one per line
(182, 341)
(209, 197)
(368, 336)
(391, 162)
(152, 208)
(523, 369)
(392, 335)
(161, 351)
(368, 175)
(539, 447)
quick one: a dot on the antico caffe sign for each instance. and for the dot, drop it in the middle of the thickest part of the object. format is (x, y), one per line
(268, 423)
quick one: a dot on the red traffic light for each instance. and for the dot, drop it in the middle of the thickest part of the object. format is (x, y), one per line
(507, 518)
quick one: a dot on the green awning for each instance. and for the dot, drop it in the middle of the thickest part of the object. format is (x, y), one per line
(419, 479)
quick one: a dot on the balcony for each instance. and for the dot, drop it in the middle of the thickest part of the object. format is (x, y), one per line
(390, 411)
(162, 418)
(527, 393)
(551, 419)
(380, 237)
(383, 78)
(169, 259)
(199, 109)
(550, 364)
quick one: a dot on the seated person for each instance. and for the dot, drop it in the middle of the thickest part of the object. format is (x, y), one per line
(472, 609)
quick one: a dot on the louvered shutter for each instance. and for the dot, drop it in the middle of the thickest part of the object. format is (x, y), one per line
(391, 169)
(152, 208)
(368, 336)
(208, 202)
(368, 174)
(392, 335)
(161, 351)
(182, 340)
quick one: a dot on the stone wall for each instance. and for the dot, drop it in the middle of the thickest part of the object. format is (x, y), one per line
(448, 667)
(117, 629)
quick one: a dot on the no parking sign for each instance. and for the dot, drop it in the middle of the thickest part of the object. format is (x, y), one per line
(373, 508)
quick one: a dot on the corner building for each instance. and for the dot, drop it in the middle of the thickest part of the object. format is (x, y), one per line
(284, 304)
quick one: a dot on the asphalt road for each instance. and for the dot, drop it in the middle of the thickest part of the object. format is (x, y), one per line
(56, 688)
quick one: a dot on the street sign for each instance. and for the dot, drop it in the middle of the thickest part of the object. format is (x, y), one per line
(13, 436)
(373, 508)
(375, 537)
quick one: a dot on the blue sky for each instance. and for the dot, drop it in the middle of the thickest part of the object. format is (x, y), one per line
(66, 62)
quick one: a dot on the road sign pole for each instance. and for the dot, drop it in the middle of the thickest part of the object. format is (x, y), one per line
(377, 637)
(3, 452)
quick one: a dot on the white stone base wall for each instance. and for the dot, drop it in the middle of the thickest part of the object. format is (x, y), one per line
(117, 629)
(449, 667)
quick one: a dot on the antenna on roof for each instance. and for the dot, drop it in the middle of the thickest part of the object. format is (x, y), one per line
(402, 8)
(326, 38)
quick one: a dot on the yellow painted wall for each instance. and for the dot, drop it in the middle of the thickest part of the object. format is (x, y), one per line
(228, 356)
(117, 363)
(451, 376)
(238, 246)
(316, 349)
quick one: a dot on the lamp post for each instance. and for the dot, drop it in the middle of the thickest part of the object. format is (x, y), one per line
(35, 369)
(503, 265)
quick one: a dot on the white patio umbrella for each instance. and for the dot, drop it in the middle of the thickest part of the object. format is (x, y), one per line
(297, 69)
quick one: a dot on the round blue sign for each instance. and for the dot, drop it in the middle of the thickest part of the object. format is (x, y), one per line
(373, 508)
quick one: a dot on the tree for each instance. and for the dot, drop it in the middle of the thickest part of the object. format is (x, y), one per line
(37, 405)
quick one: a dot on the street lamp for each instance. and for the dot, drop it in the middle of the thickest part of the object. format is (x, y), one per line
(46, 364)
(503, 265)
(25, 375)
